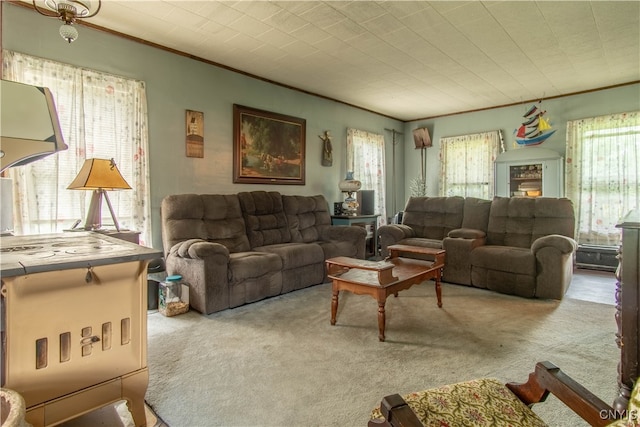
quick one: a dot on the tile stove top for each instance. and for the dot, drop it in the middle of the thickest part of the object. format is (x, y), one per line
(46, 252)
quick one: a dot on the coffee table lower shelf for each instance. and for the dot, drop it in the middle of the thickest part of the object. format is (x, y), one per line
(379, 279)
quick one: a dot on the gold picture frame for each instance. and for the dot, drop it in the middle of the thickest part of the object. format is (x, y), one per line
(268, 148)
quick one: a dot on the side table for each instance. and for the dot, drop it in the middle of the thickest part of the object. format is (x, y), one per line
(380, 279)
(369, 223)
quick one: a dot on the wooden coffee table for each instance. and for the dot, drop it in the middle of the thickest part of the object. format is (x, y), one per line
(383, 278)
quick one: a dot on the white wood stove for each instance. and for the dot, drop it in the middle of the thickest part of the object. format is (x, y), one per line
(74, 323)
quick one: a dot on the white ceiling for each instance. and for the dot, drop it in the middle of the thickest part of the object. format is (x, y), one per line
(405, 59)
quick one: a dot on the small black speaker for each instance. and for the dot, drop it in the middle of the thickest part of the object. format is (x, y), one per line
(366, 202)
(337, 208)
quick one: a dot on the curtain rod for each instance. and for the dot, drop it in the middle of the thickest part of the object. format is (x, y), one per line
(470, 134)
(393, 165)
(394, 131)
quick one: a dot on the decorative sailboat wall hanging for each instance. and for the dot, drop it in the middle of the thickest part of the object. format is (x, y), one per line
(535, 129)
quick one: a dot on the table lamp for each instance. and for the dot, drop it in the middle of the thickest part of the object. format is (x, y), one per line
(349, 186)
(99, 175)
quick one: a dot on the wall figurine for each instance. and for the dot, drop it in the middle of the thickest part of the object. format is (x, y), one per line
(327, 149)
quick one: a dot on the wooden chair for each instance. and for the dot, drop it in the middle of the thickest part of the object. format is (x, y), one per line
(512, 406)
(515, 400)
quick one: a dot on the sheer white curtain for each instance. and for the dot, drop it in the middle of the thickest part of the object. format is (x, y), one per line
(466, 164)
(603, 174)
(365, 157)
(101, 116)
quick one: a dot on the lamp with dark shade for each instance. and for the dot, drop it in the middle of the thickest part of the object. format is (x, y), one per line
(99, 175)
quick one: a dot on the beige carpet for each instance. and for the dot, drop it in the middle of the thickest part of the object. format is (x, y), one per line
(279, 362)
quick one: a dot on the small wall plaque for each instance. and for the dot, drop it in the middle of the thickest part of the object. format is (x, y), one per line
(195, 134)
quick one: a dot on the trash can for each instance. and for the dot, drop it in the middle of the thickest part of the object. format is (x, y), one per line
(152, 294)
(174, 296)
(153, 284)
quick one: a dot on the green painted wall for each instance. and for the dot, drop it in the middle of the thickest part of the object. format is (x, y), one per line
(507, 119)
(176, 83)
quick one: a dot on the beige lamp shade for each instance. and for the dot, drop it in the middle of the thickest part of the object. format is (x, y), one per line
(99, 174)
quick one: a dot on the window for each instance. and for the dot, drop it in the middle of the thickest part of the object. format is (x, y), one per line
(603, 174)
(101, 116)
(466, 163)
(365, 157)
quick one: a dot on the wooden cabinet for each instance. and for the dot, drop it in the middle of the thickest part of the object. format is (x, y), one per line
(529, 172)
(627, 303)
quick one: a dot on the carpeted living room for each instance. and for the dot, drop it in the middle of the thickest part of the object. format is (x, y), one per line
(319, 213)
(280, 362)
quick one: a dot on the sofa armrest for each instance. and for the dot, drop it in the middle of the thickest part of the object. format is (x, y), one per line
(198, 249)
(564, 244)
(467, 233)
(343, 233)
(204, 268)
(548, 378)
(391, 234)
(354, 234)
(397, 231)
(459, 244)
(396, 413)
(554, 260)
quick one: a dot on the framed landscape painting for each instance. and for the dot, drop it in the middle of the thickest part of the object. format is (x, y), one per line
(268, 148)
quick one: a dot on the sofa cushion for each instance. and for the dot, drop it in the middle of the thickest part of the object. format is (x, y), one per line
(519, 221)
(433, 217)
(504, 269)
(213, 218)
(422, 242)
(504, 258)
(254, 289)
(265, 219)
(247, 265)
(476, 213)
(253, 276)
(337, 248)
(306, 215)
(294, 255)
(553, 216)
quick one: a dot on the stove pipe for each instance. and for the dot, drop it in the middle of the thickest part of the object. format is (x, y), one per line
(6, 206)
(29, 126)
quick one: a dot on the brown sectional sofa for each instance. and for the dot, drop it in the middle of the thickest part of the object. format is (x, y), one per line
(239, 248)
(518, 246)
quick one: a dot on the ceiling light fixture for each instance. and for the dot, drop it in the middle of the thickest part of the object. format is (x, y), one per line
(68, 11)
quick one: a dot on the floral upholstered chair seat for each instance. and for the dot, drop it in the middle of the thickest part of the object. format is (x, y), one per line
(481, 402)
(632, 416)
(489, 402)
